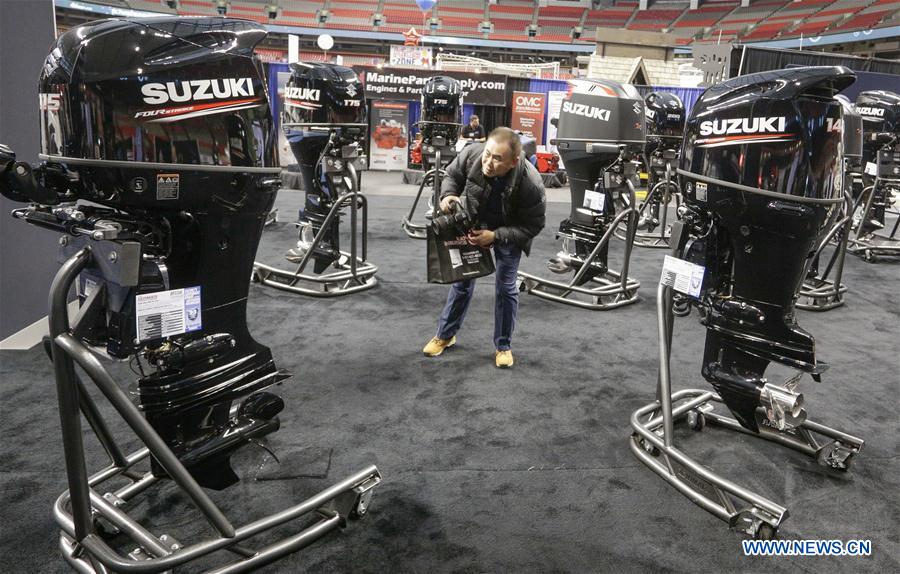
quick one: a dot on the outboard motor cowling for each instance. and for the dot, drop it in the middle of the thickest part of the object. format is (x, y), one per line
(441, 112)
(762, 178)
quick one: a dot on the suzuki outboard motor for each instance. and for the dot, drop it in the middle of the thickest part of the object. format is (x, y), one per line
(164, 125)
(880, 111)
(600, 133)
(600, 136)
(665, 117)
(159, 169)
(441, 112)
(325, 115)
(440, 120)
(665, 130)
(762, 179)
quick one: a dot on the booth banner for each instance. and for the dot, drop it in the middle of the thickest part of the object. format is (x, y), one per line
(411, 56)
(388, 134)
(481, 89)
(554, 104)
(528, 114)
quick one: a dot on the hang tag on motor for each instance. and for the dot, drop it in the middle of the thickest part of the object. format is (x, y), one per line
(871, 168)
(167, 313)
(700, 193)
(594, 200)
(683, 276)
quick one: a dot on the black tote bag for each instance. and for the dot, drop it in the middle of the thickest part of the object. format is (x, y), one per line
(452, 258)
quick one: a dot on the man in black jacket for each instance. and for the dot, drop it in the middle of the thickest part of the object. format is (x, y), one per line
(503, 192)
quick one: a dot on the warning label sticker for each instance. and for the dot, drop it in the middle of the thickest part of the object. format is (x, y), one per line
(167, 185)
(167, 313)
(683, 276)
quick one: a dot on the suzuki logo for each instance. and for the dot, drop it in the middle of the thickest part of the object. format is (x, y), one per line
(295, 93)
(872, 112)
(351, 91)
(157, 93)
(742, 126)
(586, 111)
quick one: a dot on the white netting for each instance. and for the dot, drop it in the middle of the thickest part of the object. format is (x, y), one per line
(448, 61)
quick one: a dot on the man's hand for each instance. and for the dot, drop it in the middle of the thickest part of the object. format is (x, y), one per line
(447, 202)
(481, 237)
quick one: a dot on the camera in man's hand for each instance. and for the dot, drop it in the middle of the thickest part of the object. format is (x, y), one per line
(457, 221)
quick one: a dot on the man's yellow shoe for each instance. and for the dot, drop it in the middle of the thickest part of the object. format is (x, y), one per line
(436, 346)
(503, 359)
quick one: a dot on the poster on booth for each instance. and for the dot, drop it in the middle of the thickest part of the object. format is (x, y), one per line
(411, 56)
(528, 114)
(388, 146)
(554, 104)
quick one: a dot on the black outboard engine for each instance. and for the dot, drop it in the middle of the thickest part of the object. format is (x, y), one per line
(762, 178)
(325, 114)
(440, 114)
(440, 120)
(665, 117)
(159, 169)
(600, 137)
(665, 130)
(880, 111)
(173, 144)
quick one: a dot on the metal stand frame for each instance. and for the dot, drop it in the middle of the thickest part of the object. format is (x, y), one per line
(653, 443)
(78, 510)
(820, 293)
(352, 276)
(656, 240)
(433, 177)
(873, 245)
(614, 289)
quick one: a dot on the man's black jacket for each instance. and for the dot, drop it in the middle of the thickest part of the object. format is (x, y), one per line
(523, 202)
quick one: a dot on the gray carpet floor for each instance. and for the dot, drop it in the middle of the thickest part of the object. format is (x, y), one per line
(524, 470)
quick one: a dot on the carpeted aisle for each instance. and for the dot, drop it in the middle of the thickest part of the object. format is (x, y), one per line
(526, 470)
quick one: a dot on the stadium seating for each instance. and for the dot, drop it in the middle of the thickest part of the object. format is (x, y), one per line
(510, 20)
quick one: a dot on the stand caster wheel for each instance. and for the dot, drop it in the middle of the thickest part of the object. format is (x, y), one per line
(523, 287)
(696, 420)
(868, 256)
(254, 278)
(650, 448)
(765, 531)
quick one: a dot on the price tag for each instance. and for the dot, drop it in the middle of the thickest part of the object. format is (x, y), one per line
(700, 192)
(167, 313)
(683, 276)
(594, 200)
(871, 168)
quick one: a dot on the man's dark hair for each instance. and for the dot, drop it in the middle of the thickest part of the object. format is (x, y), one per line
(473, 117)
(509, 137)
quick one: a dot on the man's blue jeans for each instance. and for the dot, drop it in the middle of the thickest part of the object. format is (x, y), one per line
(505, 306)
